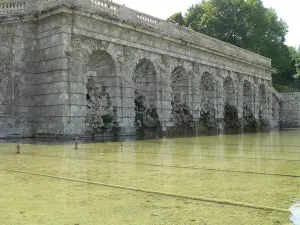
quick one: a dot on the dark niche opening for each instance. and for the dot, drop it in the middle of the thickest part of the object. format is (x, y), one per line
(207, 122)
(146, 119)
(251, 124)
(231, 119)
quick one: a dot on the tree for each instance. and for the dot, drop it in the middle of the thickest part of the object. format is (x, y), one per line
(286, 71)
(177, 18)
(246, 24)
(295, 53)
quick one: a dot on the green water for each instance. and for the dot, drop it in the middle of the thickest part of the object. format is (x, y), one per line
(257, 169)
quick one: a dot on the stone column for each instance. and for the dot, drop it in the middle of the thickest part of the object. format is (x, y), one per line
(255, 101)
(195, 95)
(164, 71)
(126, 64)
(239, 93)
(220, 96)
(77, 77)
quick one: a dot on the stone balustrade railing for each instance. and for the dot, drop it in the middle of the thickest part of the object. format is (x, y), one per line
(52, 3)
(8, 8)
(14, 7)
(107, 6)
(143, 18)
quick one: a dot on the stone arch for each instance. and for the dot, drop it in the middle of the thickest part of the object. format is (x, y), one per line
(180, 83)
(146, 99)
(250, 122)
(102, 64)
(229, 91)
(207, 83)
(248, 94)
(208, 87)
(207, 122)
(262, 97)
(231, 117)
(181, 113)
(263, 106)
(102, 93)
(145, 80)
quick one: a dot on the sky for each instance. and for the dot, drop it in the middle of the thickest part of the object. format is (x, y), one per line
(288, 10)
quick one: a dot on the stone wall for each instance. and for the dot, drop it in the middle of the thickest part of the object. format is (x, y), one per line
(290, 110)
(17, 73)
(73, 66)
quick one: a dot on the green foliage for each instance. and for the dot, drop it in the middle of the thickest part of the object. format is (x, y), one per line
(177, 18)
(295, 53)
(284, 89)
(246, 24)
(107, 118)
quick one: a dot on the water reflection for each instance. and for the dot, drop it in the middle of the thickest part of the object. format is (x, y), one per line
(259, 169)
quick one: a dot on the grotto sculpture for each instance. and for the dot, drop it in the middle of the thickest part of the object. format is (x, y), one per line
(231, 119)
(101, 114)
(181, 114)
(250, 123)
(262, 120)
(146, 116)
(207, 122)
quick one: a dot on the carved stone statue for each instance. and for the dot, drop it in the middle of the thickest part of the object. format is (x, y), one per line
(146, 116)
(249, 120)
(207, 114)
(262, 120)
(181, 114)
(101, 114)
(231, 119)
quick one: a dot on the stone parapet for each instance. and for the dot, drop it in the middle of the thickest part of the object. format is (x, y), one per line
(12, 8)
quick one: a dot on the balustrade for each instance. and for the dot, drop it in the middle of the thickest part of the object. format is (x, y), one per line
(8, 8)
(52, 3)
(107, 6)
(147, 19)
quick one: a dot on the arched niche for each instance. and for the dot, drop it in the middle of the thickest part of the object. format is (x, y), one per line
(250, 122)
(207, 87)
(146, 94)
(247, 94)
(181, 113)
(102, 91)
(145, 80)
(263, 106)
(207, 122)
(262, 98)
(231, 118)
(180, 83)
(229, 91)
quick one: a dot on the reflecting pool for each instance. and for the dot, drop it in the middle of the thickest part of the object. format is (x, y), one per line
(235, 180)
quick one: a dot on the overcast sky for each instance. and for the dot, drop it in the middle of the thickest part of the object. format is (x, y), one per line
(288, 10)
